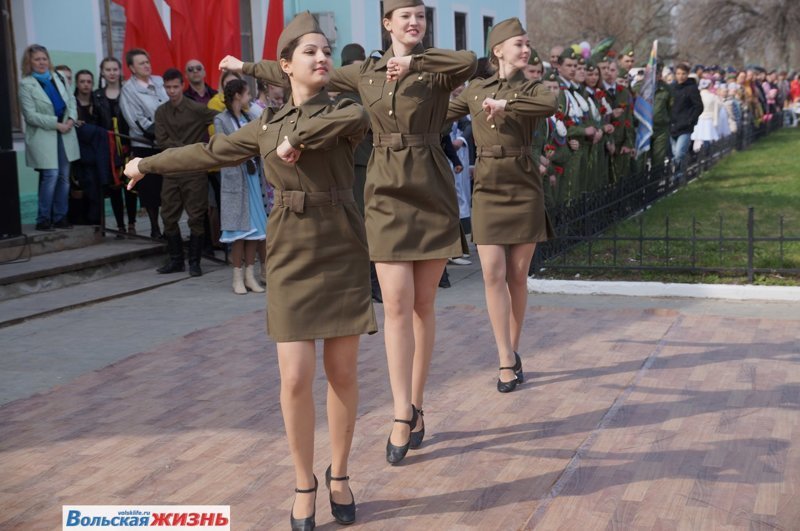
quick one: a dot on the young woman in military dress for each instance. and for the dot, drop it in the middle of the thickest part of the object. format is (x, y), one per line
(411, 207)
(317, 257)
(508, 214)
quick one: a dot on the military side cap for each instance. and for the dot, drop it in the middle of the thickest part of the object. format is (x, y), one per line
(353, 52)
(581, 60)
(502, 31)
(391, 5)
(300, 25)
(628, 50)
(534, 59)
(568, 53)
(590, 65)
(550, 75)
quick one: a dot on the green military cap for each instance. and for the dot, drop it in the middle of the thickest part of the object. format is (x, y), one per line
(353, 52)
(502, 31)
(550, 75)
(534, 59)
(300, 25)
(581, 60)
(628, 50)
(391, 5)
(590, 65)
(568, 53)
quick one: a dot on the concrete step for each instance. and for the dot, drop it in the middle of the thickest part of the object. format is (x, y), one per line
(42, 304)
(36, 243)
(55, 270)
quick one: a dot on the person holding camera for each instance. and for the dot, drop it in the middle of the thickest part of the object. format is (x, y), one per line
(140, 98)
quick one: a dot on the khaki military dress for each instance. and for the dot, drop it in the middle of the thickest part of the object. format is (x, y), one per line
(317, 259)
(410, 196)
(508, 199)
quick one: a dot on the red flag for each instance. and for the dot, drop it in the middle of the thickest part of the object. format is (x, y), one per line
(144, 29)
(274, 29)
(219, 34)
(185, 44)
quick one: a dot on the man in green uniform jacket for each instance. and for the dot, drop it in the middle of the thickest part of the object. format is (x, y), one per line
(181, 122)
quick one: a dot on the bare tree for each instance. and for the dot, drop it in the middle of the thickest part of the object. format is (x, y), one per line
(739, 31)
(638, 22)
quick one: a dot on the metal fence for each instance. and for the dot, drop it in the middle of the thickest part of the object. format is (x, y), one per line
(581, 224)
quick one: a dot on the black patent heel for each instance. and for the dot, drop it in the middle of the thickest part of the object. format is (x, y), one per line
(308, 523)
(345, 514)
(395, 454)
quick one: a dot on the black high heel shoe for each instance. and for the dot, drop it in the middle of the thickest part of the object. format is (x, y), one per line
(308, 523)
(345, 514)
(507, 387)
(395, 454)
(416, 436)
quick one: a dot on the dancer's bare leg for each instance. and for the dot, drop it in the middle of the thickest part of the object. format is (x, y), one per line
(426, 283)
(519, 261)
(341, 366)
(397, 285)
(297, 362)
(498, 303)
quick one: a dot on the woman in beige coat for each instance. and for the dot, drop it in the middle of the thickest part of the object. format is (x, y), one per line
(317, 259)
(50, 114)
(410, 197)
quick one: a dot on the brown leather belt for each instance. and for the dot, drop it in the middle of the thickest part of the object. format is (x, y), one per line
(298, 200)
(397, 141)
(498, 152)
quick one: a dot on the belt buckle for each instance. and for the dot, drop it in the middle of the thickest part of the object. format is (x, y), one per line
(498, 151)
(396, 143)
(297, 199)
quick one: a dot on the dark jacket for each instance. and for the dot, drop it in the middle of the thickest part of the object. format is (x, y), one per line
(687, 106)
(105, 112)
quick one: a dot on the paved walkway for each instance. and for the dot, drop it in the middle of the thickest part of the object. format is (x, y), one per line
(636, 414)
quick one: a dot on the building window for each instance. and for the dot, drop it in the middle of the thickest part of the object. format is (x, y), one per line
(488, 22)
(428, 41)
(112, 27)
(246, 29)
(12, 79)
(461, 30)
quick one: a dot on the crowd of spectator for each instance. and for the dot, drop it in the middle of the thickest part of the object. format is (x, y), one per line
(80, 131)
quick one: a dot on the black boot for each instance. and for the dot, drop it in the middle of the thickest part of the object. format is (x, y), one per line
(195, 251)
(175, 250)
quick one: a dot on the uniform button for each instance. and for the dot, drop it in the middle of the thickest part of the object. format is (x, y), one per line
(492, 126)
(476, 97)
(263, 127)
(302, 146)
(390, 93)
(391, 113)
(291, 121)
(515, 94)
(420, 76)
(370, 82)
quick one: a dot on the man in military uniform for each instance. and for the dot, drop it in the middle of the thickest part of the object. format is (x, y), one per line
(620, 100)
(180, 122)
(535, 69)
(570, 114)
(627, 57)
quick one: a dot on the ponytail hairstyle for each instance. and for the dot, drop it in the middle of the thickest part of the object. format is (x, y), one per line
(234, 87)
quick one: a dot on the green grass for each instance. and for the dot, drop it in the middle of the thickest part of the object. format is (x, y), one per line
(766, 177)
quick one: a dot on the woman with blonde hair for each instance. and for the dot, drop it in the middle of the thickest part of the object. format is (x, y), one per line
(50, 113)
(508, 214)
